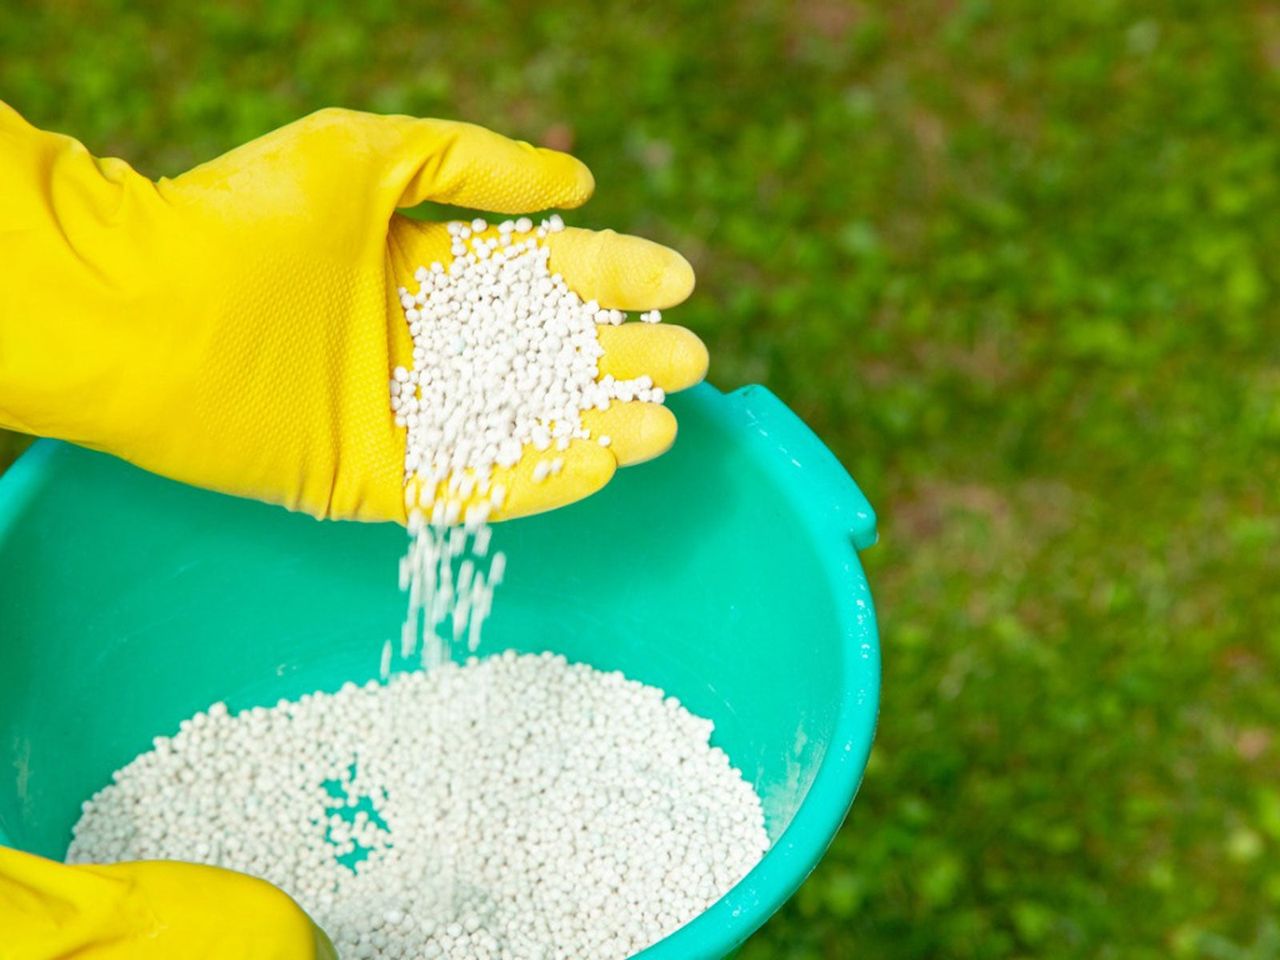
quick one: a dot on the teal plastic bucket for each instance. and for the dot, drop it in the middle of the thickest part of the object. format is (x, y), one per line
(725, 572)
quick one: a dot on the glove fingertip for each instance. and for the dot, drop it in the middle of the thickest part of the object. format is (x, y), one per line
(689, 359)
(637, 431)
(621, 271)
(575, 181)
(674, 356)
(677, 281)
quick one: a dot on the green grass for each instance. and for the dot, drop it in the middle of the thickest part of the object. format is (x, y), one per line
(1017, 263)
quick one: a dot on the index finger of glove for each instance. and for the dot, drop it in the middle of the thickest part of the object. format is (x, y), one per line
(468, 166)
(619, 271)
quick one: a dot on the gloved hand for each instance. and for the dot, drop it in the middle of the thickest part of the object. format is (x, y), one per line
(235, 328)
(157, 910)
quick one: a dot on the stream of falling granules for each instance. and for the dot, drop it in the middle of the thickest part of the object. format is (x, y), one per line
(505, 361)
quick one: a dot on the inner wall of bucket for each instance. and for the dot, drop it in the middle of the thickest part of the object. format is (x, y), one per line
(130, 602)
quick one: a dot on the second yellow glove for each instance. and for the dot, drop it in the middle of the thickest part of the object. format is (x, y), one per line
(155, 910)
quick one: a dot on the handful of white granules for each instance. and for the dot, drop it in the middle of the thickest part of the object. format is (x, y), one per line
(505, 361)
(516, 808)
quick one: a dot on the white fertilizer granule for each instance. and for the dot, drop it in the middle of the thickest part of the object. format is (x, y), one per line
(516, 808)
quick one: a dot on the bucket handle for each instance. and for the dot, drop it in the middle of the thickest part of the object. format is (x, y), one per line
(832, 496)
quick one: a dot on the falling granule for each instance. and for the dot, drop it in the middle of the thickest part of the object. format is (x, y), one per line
(514, 808)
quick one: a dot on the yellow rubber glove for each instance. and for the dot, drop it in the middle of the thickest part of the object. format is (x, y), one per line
(235, 328)
(158, 910)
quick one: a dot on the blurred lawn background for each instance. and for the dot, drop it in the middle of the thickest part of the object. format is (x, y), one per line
(1017, 263)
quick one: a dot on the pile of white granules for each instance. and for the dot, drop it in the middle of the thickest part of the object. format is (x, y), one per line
(516, 808)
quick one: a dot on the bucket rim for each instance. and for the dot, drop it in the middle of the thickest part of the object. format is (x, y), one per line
(840, 521)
